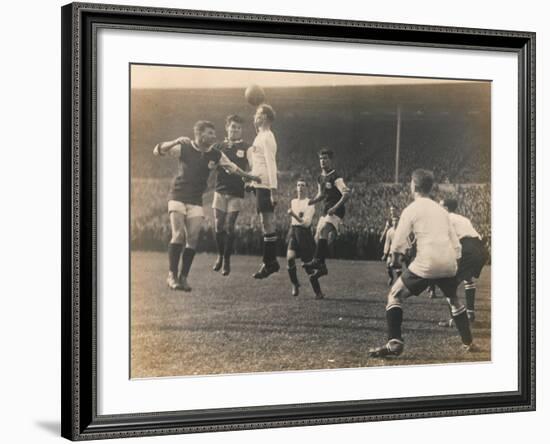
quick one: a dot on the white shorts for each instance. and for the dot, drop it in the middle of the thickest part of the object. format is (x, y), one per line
(227, 203)
(334, 220)
(188, 210)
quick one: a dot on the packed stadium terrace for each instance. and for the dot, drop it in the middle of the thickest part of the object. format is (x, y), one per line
(445, 129)
(366, 216)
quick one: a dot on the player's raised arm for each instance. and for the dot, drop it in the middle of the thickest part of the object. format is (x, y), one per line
(231, 168)
(172, 147)
(346, 193)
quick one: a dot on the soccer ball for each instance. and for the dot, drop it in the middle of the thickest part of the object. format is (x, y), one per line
(254, 95)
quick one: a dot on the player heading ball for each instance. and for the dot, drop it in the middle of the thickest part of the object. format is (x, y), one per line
(262, 157)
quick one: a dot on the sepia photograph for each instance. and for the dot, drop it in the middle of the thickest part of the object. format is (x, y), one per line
(297, 221)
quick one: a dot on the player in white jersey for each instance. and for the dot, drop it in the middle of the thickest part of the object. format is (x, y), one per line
(474, 256)
(262, 157)
(300, 239)
(437, 252)
(389, 234)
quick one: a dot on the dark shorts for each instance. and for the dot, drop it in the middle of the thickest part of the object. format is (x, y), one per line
(263, 200)
(416, 284)
(300, 240)
(474, 257)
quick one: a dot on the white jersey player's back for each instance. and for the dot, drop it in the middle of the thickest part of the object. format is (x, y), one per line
(437, 246)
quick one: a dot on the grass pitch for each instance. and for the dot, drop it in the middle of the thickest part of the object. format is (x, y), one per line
(237, 324)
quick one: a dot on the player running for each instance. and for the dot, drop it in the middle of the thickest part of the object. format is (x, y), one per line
(300, 239)
(390, 232)
(474, 257)
(437, 252)
(262, 157)
(197, 159)
(229, 192)
(334, 192)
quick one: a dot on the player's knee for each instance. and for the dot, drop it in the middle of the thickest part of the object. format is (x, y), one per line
(397, 294)
(290, 256)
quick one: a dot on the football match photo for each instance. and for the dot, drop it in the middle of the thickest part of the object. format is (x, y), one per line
(296, 221)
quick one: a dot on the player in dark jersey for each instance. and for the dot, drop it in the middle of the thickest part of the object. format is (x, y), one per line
(197, 159)
(229, 192)
(334, 193)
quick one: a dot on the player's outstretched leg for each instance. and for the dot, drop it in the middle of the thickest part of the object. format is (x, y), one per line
(470, 293)
(458, 313)
(394, 319)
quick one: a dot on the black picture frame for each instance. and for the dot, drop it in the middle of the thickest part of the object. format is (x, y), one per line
(80, 420)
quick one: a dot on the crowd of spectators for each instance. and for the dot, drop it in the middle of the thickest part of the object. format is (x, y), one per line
(366, 216)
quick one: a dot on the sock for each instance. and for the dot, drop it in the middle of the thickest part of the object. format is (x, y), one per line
(315, 285)
(470, 292)
(394, 319)
(174, 253)
(292, 272)
(321, 250)
(270, 248)
(187, 260)
(229, 240)
(220, 242)
(463, 325)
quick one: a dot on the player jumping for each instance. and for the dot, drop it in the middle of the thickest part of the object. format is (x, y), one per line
(300, 239)
(334, 192)
(262, 158)
(197, 159)
(229, 194)
(474, 256)
(437, 252)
